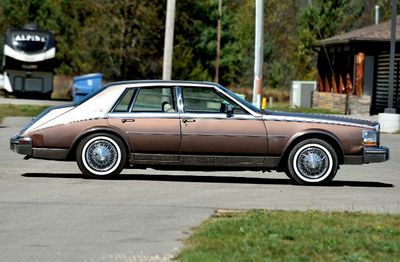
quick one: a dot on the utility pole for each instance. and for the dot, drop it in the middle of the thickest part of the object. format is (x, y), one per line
(169, 40)
(376, 14)
(217, 62)
(390, 108)
(258, 53)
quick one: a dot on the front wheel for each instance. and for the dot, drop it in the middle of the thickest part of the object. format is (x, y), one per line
(101, 156)
(312, 161)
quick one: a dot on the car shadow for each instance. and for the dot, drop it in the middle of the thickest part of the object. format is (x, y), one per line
(212, 179)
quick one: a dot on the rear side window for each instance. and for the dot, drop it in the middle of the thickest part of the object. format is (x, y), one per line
(154, 99)
(124, 103)
(147, 99)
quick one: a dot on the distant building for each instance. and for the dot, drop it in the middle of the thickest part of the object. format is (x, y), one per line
(357, 63)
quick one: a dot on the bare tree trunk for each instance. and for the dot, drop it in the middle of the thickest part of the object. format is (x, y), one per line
(217, 62)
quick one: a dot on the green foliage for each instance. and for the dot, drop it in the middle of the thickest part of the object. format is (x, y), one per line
(121, 38)
(124, 39)
(196, 40)
(325, 19)
(130, 39)
(287, 108)
(322, 20)
(295, 236)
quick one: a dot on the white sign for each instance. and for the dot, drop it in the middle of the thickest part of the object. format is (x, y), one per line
(29, 38)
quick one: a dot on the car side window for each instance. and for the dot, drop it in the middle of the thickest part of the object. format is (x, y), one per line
(206, 100)
(126, 100)
(154, 99)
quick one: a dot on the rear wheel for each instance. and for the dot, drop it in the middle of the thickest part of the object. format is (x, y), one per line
(312, 161)
(101, 156)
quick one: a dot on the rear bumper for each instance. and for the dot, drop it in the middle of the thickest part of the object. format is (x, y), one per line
(21, 145)
(376, 154)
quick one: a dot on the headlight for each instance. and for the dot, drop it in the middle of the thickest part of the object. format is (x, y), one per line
(370, 137)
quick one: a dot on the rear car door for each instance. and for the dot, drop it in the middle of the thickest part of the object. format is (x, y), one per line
(149, 117)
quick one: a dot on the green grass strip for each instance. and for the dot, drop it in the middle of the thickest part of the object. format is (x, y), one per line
(20, 110)
(287, 108)
(295, 236)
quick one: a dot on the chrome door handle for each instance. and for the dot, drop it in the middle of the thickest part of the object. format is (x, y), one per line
(188, 120)
(127, 120)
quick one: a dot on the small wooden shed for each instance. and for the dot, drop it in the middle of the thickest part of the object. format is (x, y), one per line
(356, 64)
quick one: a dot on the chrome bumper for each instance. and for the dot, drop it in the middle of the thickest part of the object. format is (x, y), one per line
(21, 145)
(376, 154)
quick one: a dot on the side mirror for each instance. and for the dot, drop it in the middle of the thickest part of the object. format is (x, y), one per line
(229, 110)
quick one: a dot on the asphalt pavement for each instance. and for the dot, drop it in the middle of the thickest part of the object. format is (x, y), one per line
(49, 213)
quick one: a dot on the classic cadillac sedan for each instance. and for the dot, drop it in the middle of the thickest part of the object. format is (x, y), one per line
(194, 126)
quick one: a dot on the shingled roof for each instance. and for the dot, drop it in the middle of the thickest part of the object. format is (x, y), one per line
(379, 32)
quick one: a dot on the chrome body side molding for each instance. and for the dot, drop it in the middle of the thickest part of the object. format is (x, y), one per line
(204, 160)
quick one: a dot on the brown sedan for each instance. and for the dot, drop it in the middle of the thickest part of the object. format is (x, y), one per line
(195, 126)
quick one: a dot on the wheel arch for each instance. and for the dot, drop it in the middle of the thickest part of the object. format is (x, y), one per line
(309, 134)
(103, 130)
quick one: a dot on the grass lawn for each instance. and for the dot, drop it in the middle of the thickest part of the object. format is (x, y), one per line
(19, 110)
(294, 236)
(285, 107)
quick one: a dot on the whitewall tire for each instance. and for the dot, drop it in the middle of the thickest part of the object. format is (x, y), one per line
(312, 161)
(101, 155)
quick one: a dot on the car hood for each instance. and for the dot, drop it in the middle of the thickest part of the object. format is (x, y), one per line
(318, 118)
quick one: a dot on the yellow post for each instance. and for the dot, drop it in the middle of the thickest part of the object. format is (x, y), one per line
(264, 103)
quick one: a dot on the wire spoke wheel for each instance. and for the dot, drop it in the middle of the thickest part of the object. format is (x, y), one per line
(312, 161)
(101, 155)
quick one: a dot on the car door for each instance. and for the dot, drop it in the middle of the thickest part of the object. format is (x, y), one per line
(210, 136)
(149, 118)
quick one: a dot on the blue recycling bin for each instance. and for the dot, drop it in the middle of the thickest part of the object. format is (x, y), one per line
(85, 84)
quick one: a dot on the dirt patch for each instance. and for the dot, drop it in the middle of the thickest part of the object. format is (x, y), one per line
(62, 87)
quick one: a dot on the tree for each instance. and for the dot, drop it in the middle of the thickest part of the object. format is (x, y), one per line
(128, 43)
(123, 39)
(124, 44)
(324, 19)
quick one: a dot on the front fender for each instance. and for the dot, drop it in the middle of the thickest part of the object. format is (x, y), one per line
(313, 133)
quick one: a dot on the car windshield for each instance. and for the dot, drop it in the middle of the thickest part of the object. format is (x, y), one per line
(89, 96)
(241, 100)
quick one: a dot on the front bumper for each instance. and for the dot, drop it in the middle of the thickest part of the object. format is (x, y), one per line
(376, 154)
(21, 145)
